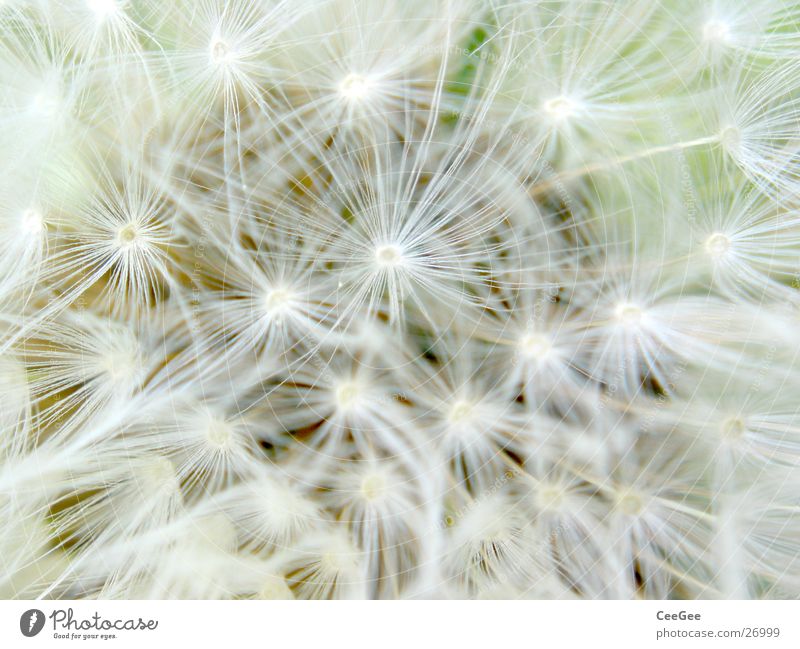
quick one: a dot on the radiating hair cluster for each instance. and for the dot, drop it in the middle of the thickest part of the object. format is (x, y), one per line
(404, 299)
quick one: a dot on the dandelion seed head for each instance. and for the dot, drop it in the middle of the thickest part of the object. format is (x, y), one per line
(215, 531)
(158, 475)
(388, 256)
(731, 138)
(120, 365)
(48, 102)
(102, 9)
(560, 109)
(461, 412)
(219, 433)
(275, 588)
(220, 52)
(32, 222)
(355, 87)
(278, 301)
(630, 502)
(550, 497)
(733, 428)
(334, 562)
(373, 486)
(629, 315)
(535, 346)
(128, 236)
(716, 32)
(298, 303)
(349, 395)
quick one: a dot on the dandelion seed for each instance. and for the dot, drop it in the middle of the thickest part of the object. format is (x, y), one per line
(560, 109)
(102, 9)
(355, 87)
(346, 299)
(717, 32)
(717, 245)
